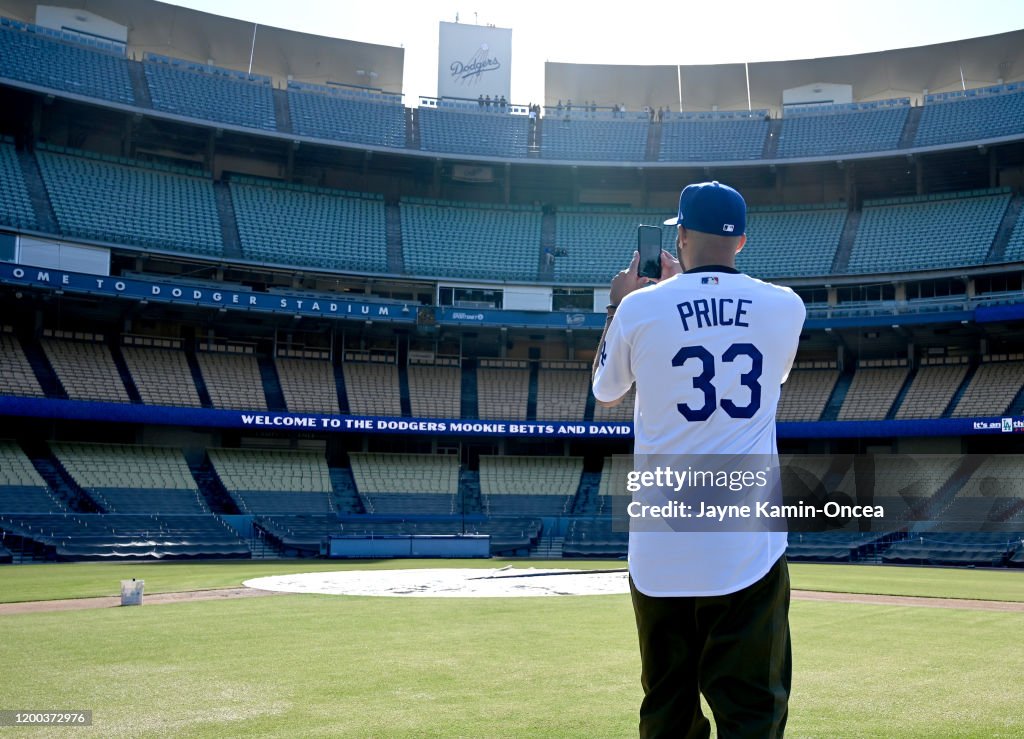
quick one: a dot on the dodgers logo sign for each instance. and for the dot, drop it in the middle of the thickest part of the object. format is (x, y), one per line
(474, 62)
(470, 71)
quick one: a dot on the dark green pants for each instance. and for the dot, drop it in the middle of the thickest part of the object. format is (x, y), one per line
(733, 648)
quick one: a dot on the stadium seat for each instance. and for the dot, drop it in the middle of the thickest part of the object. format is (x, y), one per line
(486, 242)
(981, 117)
(132, 479)
(473, 133)
(16, 375)
(579, 139)
(131, 203)
(308, 385)
(838, 132)
(39, 59)
(197, 91)
(340, 117)
(435, 391)
(15, 205)
(914, 233)
(313, 227)
(712, 140)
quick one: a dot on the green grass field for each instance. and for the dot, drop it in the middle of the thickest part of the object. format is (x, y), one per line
(313, 665)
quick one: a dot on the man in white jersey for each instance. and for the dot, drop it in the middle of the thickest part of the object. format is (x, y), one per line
(708, 349)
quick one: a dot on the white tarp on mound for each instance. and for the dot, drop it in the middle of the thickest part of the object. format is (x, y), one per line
(449, 583)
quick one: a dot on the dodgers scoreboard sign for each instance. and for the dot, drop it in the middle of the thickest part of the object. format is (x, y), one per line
(474, 61)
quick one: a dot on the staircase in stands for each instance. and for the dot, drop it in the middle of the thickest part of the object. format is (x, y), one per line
(548, 547)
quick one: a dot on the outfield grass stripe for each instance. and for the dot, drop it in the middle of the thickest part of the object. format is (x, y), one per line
(965, 604)
(78, 604)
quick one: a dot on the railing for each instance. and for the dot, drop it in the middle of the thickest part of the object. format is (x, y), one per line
(475, 105)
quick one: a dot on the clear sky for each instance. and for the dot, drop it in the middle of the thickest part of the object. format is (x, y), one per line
(633, 32)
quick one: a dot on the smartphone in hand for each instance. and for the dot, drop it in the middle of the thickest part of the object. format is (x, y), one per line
(648, 243)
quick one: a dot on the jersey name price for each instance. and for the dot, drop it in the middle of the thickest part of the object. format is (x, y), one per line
(708, 312)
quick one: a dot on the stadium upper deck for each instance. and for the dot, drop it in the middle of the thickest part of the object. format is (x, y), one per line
(279, 170)
(304, 107)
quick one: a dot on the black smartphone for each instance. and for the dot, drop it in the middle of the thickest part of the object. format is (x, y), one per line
(648, 243)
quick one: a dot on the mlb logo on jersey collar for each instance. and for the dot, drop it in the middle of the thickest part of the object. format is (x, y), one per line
(709, 280)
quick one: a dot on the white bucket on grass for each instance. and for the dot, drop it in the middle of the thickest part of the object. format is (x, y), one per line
(131, 592)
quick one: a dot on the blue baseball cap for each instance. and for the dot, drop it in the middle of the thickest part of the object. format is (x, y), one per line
(711, 207)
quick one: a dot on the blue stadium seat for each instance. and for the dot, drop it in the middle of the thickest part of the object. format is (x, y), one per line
(28, 499)
(780, 243)
(443, 239)
(791, 243)
(109, 199)
(286, 224)
(38, 59)
(212, 97)
(712, 140)
(1015, 247)
(15, 205)
(831, 134)
(341, 118)
(113, 537)
(483, 134)
(594, 140)
(971, 119)
(927, 233)
(592, 244)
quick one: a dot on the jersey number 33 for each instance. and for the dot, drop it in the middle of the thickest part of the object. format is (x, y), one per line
(704, 381)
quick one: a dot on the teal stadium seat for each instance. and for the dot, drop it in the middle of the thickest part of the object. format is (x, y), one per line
(462, 240)
(903, 234)
(593, 244)
(15, 205)
(971, 119)
(482, 134)
(594, 140)
(1015, 247)
(131, 203)
(713, 140)
(791, 243)
(340, 118)
(222, 97)
(286, 224)
(843, 132)
(28, 55)
(783, 243)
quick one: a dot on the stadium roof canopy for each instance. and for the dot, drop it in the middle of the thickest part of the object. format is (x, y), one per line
(225, 42)
(983, 61)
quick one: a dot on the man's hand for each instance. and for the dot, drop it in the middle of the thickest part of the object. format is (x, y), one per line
(670, 266)
(629, 279)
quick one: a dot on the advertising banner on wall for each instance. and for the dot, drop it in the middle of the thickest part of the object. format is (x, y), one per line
(474, 61)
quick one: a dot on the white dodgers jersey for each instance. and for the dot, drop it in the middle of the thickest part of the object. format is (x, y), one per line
(708, 351)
